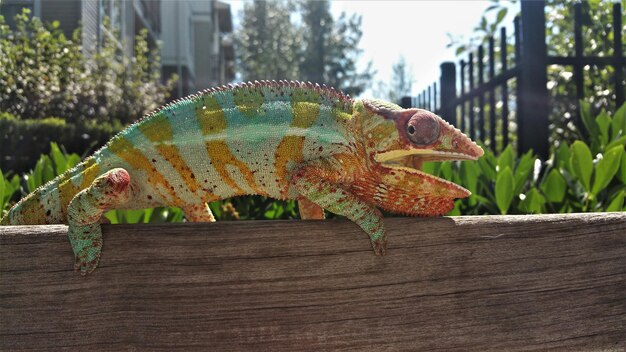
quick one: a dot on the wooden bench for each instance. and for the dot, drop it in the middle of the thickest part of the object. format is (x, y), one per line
(487, 283)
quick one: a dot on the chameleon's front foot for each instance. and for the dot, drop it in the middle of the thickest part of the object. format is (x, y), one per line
(108, 191)
(380, 245)
(86, 242)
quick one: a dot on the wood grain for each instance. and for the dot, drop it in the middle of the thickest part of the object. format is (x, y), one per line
(487, 283)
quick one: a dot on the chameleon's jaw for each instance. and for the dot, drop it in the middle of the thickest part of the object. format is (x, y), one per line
(421, 155)
(411, 161)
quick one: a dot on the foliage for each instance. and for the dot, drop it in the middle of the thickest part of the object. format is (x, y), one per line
(332, 50)
(267, 42)
(43, 73)
(271, 44)
(572, 180)
(401, 81)
(23, 140)
(598, 41)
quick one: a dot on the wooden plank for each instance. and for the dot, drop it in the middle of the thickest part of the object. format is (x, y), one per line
(488, 283)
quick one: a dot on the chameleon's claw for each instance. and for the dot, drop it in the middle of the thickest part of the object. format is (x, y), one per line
(380, 246)
(85, 265)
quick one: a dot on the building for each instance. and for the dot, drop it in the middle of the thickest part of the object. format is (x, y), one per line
(195, 35)
(197, 44)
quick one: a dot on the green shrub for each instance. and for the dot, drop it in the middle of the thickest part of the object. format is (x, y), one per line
(43, 73)
(24, 140)
(580, 177)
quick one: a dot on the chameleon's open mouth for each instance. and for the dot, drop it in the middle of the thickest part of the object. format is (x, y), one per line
(412, 160)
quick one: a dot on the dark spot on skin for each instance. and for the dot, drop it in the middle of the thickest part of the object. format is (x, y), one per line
(48, 212)
(154, 160)
(192, 175)
(149, 197)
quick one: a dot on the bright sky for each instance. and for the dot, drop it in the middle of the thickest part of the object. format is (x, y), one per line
(414, 29)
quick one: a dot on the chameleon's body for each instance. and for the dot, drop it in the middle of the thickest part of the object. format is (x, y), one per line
(286, 140)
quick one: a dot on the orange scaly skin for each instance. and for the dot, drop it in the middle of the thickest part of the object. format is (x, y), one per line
(286, 140)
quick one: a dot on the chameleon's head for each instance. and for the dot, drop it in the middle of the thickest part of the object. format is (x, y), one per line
(397, 138)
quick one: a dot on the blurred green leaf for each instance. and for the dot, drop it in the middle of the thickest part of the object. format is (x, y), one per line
(533, 202)
(3, 189)
(619, 141)
(618, 123)
(501, 15)
(506, 159)
(562, 157)
(588, 120)
(603, 121)
(617, 204)
(504, 189)
(488, 165)
(554, 187)
(469, 175)
(60, 162)
(111, 215)
(523, 171)
(47, 170)
(581, 163)
(621, 174)
(606, 168)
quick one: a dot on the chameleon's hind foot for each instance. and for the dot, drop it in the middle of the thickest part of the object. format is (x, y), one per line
(380, 245)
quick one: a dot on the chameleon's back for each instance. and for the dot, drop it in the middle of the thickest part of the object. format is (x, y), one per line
(230, 141)
(218, 143)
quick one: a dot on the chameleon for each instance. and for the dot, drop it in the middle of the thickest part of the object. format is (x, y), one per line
(280, 139)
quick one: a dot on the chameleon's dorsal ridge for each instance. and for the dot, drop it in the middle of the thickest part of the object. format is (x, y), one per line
(282, 139)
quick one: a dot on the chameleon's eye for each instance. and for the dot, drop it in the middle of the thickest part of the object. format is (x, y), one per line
(422, 129)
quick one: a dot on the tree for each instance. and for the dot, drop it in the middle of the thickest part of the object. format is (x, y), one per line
(332, 51)
(271, 44)
(598, 39)
(268, 44)
(401, 81)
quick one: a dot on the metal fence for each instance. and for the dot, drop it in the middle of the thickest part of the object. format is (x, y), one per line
(477, 98)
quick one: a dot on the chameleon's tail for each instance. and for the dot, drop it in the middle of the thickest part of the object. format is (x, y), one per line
(48, 203)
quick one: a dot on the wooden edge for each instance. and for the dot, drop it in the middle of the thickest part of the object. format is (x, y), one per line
(488, 283)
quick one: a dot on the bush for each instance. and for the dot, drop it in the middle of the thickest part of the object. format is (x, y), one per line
(24, 140)
(42, 74)
(581, 177)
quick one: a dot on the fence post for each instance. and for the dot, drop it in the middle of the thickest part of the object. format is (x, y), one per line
(447, 82)
(406, 102)
(532, 108)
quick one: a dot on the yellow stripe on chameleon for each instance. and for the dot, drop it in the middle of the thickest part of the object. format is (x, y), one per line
(124, 149)
(220, 156)
(157, 128)
(171, 155)
(91, 171)
(67, 191)
(211, 118)
(290, 148)
(248, 100)
(32, 212)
